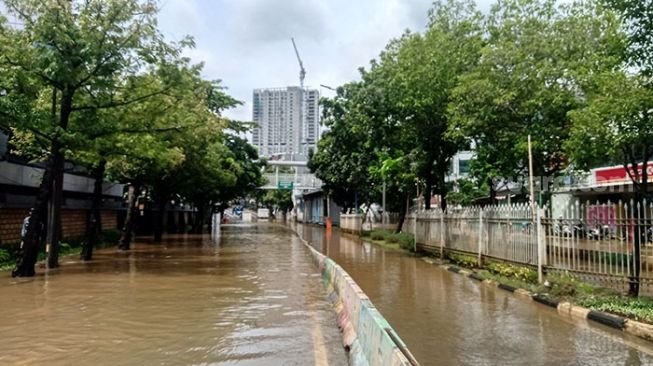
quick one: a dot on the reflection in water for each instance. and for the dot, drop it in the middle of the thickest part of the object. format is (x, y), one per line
(254, 298)
(447, 319)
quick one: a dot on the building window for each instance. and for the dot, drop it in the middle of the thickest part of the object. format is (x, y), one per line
(463, 166)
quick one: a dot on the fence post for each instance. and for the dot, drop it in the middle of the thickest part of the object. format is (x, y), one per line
(480, 237)
(441, 234)
(415, 228)
(541, 245)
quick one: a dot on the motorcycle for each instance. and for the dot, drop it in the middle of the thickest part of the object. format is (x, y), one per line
(599, 232)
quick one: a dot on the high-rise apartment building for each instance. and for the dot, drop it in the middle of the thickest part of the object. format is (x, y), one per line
(288, 121)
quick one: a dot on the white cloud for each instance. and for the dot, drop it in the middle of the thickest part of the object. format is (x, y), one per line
(246, 43)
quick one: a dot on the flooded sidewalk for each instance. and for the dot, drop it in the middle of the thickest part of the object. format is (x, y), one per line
(448, 319)
(252, 298)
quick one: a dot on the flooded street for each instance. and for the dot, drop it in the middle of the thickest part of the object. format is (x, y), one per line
(254, 298)
(448, 319)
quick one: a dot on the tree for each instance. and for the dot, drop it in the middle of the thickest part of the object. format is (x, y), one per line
(344, 150)
(531, 74)
(396, 116)
(82, 54)
(280, 199)
(637, 18)
(617, 125)
(427, 68)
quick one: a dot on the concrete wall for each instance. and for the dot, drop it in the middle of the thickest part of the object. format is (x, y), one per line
(351, 223)
(73, 223)
(30, 176)
(365, 332)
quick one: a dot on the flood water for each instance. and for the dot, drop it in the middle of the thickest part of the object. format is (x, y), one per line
(252, 298)
(448, 319)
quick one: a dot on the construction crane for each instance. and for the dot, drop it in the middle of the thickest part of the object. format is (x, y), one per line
(302, 71)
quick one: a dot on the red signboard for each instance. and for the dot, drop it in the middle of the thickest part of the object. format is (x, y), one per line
(618, 174)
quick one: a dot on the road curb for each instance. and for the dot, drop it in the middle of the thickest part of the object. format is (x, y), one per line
(613, 321)
(475, 276)
(366, 335)
(629, 326)
(506, 287)
(545, 301)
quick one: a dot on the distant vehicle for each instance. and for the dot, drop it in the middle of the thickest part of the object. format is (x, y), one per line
(238, 211)
(263, 213)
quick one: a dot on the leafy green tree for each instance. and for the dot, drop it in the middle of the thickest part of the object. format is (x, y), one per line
(81, 55)
(278, 199)
(617, 125)
(427, 68)
(637, 18)
(532, 72)
(467, 192)
(345, 151)
(396, 117)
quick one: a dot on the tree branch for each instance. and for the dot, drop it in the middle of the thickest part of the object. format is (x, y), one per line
(632, 174)
(37, 73)
(120, 103)
(31, 129)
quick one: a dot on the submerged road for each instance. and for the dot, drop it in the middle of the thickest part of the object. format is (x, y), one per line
(447, 319)
(251, 298)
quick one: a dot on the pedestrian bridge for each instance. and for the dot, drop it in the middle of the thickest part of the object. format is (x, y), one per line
(300, 179)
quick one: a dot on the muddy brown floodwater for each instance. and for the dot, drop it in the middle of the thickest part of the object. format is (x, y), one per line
(448, 319)
(252, 298)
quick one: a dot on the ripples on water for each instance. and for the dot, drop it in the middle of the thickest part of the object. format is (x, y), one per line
(447, 319)
(254, 298)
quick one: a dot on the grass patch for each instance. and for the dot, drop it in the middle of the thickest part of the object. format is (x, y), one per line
(462, 260)
(519, 273)
(391, 239)
(639, 309)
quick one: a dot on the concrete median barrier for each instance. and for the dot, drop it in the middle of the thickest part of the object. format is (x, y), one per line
(367, 335)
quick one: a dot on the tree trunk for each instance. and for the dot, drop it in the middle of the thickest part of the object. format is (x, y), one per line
(199, 219)
(162, 200)
(442, 188)
(402, 216)
(428, 189)
(493, 192)
(132, 211)
(640, 225)
(638, 232)
(94, 223)
(29, 248)
(56, 201)
(53, 229)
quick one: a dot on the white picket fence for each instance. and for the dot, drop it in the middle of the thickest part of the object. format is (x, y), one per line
(355, 223)
(500, 232)
(593, 241)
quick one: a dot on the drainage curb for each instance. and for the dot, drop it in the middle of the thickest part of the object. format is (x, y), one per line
(475, 276)
(366, 334)
(610, 320)
(629, 326)
(545, 301)
(506, 287)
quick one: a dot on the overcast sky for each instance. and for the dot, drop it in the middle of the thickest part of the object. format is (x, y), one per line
(246, 43)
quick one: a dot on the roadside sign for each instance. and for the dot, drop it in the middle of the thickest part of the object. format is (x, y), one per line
(285, 185)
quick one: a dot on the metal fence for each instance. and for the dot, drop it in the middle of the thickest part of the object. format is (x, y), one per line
(594, 241)
(599, 241)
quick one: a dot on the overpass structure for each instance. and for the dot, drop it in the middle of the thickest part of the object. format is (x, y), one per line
(301, 180)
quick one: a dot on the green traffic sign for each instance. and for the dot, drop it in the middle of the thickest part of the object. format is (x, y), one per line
(285, 185)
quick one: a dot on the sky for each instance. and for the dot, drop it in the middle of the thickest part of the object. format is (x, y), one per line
(246, 43)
